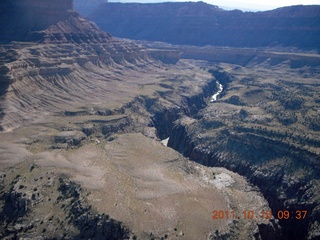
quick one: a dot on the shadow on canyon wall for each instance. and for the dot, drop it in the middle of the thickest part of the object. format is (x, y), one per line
(200, 24)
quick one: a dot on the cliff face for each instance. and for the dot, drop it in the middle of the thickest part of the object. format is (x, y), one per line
(202, 24)
(285, 182)
(46, 21)
(244, 57)
(253, 130)
(21, 20)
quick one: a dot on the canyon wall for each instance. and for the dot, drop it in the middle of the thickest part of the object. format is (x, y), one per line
(245, 56)
(201, 24)
(22, 20)
(281, 163)
(285, 189)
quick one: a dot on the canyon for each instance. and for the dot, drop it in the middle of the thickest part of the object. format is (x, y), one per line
(82, 116)
(80, 153)
(256, 132)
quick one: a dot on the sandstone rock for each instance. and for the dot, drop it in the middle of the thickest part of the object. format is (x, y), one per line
(72, 138)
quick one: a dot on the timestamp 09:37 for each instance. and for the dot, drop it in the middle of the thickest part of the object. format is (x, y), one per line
(263, 214)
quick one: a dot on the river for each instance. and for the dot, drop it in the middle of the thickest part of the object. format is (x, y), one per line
(220, 89)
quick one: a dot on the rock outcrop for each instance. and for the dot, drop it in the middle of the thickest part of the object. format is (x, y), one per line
(67, 139)
(52, 190)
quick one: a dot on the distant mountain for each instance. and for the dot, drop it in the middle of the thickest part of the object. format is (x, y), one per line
(198, 23)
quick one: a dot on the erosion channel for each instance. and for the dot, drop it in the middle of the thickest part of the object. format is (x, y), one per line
(257, 128)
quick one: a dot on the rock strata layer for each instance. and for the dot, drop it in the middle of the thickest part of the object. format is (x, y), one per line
(201, 24)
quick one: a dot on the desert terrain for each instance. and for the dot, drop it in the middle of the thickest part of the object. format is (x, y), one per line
(108, 138)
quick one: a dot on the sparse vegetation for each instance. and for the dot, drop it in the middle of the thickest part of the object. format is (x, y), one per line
(86, 114)
(271, 136)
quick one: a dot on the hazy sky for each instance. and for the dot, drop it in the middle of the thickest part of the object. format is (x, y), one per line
(240, 4)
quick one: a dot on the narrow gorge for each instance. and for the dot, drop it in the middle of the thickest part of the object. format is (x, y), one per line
(229, 133)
